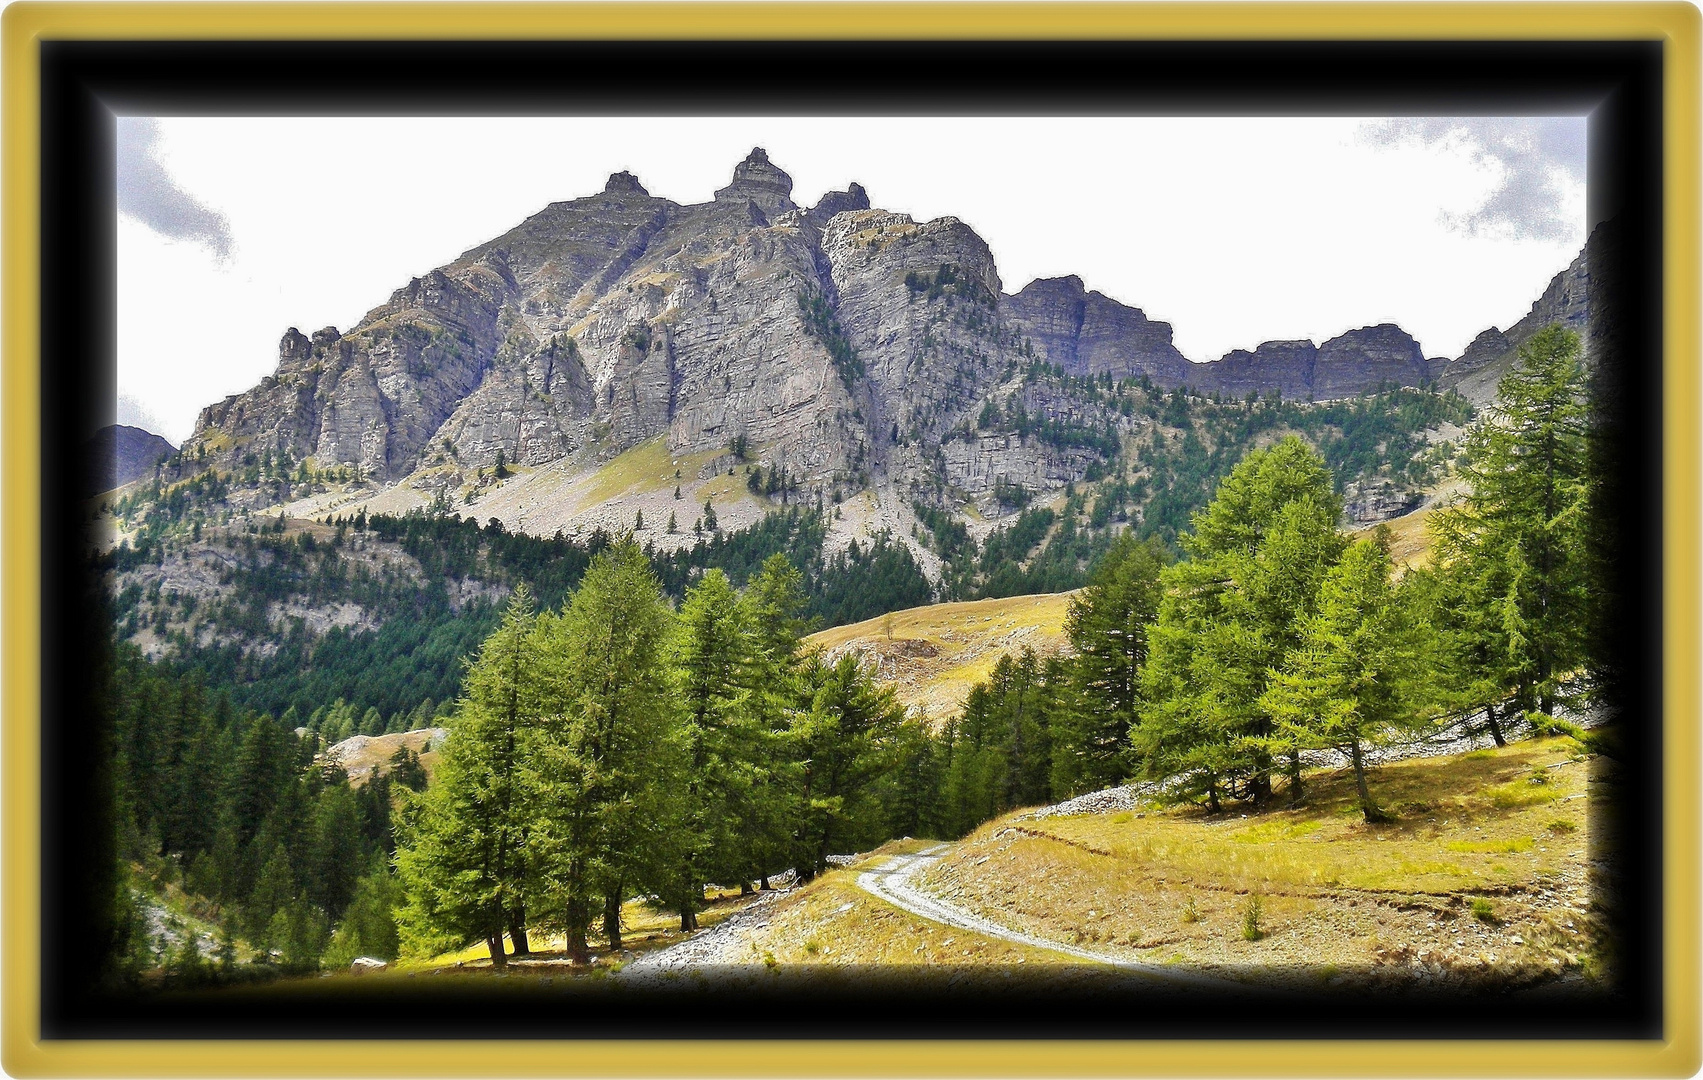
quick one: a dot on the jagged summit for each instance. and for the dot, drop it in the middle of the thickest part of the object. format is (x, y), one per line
(760, 181)
(840, 202)
(624, 183)
(866, 348)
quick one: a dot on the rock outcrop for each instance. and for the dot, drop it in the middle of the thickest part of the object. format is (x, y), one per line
(1569, 300)
(847, 344)
(1088, 333)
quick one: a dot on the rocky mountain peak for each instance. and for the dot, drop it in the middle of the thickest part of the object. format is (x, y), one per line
(840, 202)
(624, 183)
(760, 181)
(1070, 284)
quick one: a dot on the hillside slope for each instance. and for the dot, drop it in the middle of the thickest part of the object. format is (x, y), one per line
(1485, 880)
(936, 653)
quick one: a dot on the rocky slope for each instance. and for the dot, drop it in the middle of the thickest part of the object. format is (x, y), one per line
(121, 453)
(849, 346)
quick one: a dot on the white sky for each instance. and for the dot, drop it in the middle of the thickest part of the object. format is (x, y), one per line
(1235, 231)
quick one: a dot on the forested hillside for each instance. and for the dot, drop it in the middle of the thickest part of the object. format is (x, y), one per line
(378, 609)
(610, 741)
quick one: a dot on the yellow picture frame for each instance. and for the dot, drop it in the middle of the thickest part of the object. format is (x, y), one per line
(26, 23)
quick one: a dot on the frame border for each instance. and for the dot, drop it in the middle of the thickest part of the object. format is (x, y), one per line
(24, 1053)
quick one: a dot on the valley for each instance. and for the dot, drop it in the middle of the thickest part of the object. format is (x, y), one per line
(747, 590)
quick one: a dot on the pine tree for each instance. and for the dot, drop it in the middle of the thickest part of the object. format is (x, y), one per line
(611, 758)
(1230, 613)
(1513, 554)
(1107, 627)
(1359, 675)
(467, 863)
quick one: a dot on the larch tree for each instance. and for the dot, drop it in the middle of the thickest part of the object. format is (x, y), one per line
(1358, 677)
(466, 859)
(772, 608)
(610, 758)
(1513, 554)
(1230, 612)
(1107, 627)
(722, 737)
(844, 741)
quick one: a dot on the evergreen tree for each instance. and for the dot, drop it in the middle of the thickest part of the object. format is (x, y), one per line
(466, 863)
(1513, 556)
(611, 759)
(1230, 614)
(1358, 677)
(1107, 626)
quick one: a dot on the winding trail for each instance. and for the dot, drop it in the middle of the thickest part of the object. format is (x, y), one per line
(892, 881)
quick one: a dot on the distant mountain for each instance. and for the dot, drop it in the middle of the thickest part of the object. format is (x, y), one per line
(122, 454)
(848, 346)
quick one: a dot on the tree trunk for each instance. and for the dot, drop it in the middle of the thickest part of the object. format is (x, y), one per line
(578, 916)
(499, 959)
(612, 919)
(517, 932)
(1495, 728)
(765, 883)
(1367, 806)
(1295, 793)
(1212, 798)
(744, 888)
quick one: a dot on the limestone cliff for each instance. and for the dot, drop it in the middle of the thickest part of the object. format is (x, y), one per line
(850, 346)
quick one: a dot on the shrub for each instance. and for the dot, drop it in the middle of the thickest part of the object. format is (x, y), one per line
(1251, 929)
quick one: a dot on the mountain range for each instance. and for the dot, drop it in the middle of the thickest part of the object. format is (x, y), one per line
(842, 346)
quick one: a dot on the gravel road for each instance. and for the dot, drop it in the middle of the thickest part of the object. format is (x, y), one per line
(892, 881)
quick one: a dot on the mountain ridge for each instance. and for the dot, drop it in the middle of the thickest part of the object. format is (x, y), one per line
(844, 339)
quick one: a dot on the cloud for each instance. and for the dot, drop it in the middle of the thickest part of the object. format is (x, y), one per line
(147, 192)
(133, 413)
(1538, 162)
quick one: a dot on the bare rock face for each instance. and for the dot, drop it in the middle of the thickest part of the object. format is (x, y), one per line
(759, 181)
(1282, 366)
(1568, 301)
(1377, 499)
(839, 202)
(1087, 333)
(120, 453)
(1363, 360)
(843, 343)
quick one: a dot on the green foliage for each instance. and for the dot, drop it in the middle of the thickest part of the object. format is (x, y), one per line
(610, 757)
(821, 323)
(999, 750)
(1251, 913)
(1514, 580)
(1232, 611)
(1107, 627)
(1359, 676)
(467, 861)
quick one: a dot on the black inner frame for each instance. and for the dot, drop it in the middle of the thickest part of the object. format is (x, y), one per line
(85, 83)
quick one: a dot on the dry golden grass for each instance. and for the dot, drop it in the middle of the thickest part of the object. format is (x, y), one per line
(938, 652)
(1176, 885)
(362, 756)
(832, 921)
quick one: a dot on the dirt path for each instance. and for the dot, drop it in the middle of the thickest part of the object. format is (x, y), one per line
(892, 881)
